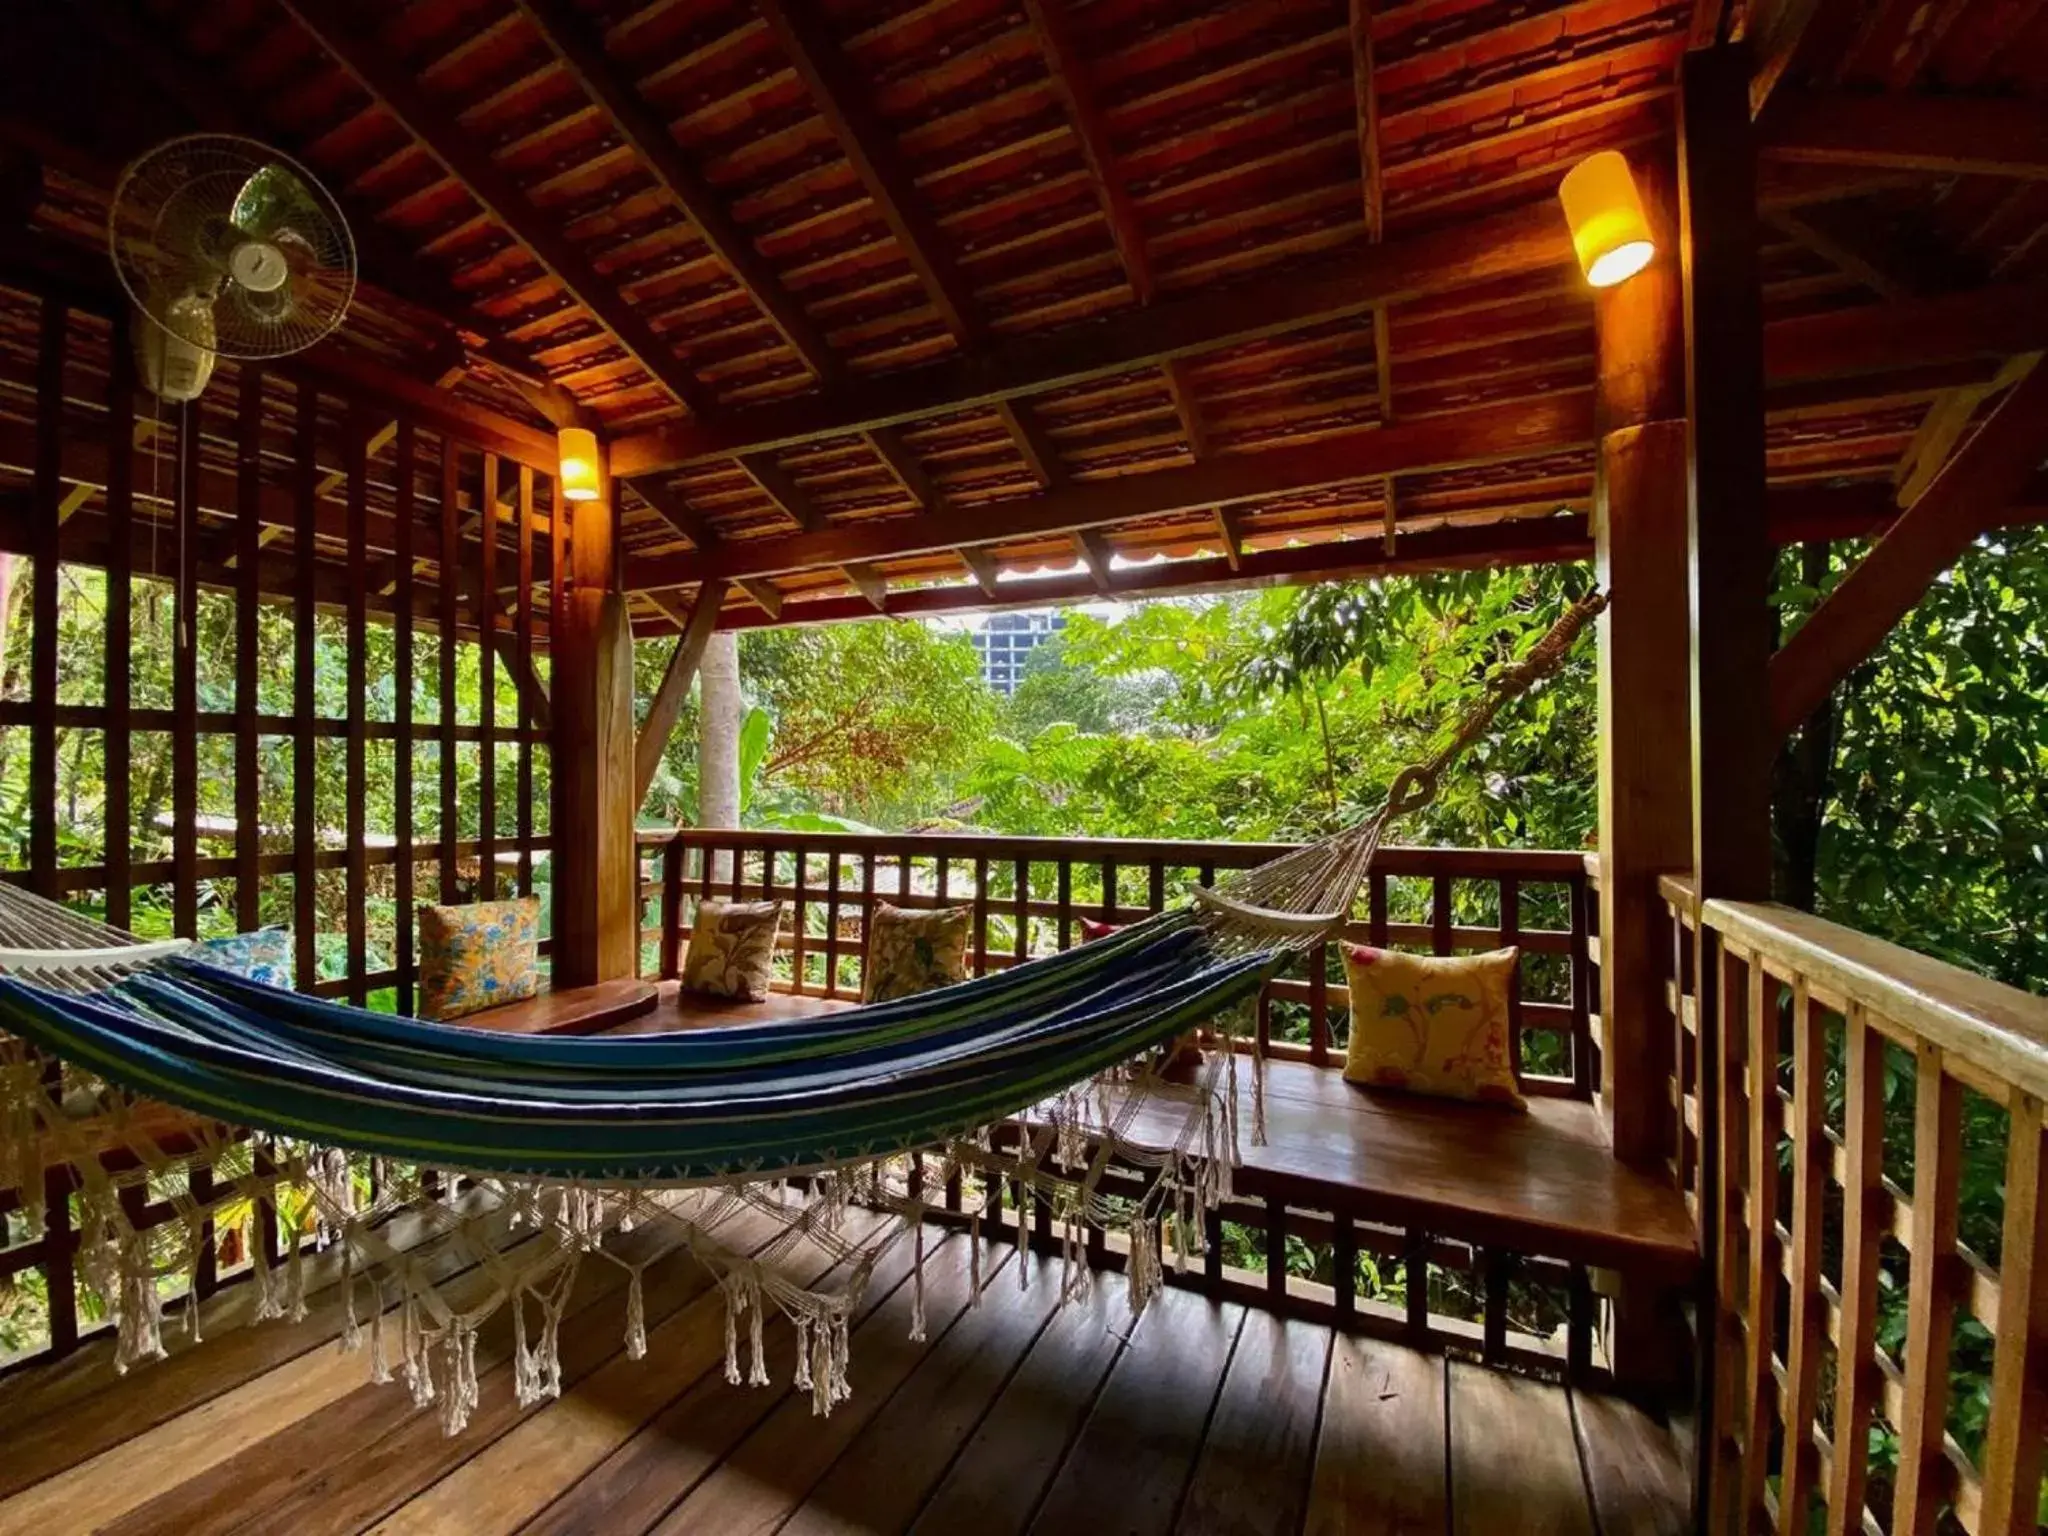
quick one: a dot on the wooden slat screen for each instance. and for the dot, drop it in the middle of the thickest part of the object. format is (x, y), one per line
(1843, 1087)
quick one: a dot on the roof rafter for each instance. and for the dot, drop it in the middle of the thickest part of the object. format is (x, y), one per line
(384, 76)
(869, 147)
(1527, 240)
(1069, 79)
(1365, 91)
(580, 46)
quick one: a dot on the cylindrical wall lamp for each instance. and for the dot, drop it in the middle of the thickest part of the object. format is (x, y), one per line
(1609, 230)
(581, 477)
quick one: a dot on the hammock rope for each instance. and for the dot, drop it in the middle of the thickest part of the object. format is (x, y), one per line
(535, 1153)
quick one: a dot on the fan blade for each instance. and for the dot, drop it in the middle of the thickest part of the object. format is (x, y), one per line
(273, 203)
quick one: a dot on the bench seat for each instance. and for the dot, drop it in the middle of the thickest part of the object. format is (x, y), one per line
(1544, 1183)
(594, 1010)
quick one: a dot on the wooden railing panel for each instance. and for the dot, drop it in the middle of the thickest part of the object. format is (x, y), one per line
(1788, 985)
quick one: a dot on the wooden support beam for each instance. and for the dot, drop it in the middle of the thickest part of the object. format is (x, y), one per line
(1852, 257)
(869, 145)
(869, 583)
(1231, 526)
(384, 74)
(1064, 62)
(1992, 323)
(1928, 537)
(1096, 556)
(580, 46)
(670, 507)
(675, 687)
(1777, 32)
(1484, 434)
(1035, 446)
(595, 864)
(1366, 112)
(1390, 514)
(1943, 427)
(981, 565)
(889, 447)
(1186, 406)
(1507, 245)
(1942, 135)
(764, 595)
(1730, 553)
(783, 490)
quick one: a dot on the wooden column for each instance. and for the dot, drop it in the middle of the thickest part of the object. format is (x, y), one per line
(1732, 741)
(596, 916)
(1640, 544)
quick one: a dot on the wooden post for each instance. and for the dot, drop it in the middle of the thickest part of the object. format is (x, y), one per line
(596, 907)
(1640, 548)
(1732, 742)
(1640, 545)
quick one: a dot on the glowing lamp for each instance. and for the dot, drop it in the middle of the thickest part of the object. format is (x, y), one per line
(577, 449)
(1608, 228)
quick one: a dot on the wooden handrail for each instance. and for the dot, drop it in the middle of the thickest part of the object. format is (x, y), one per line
(1996, 1028)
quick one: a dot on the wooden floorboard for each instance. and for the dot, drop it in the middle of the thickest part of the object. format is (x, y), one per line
(1382, 1464)
(1253, 1475)
(1026, 1411)
(1136, 1450)
(1514, 1457)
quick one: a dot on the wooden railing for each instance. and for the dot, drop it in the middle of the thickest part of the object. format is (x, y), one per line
(1029, 894)
(1862, 1133)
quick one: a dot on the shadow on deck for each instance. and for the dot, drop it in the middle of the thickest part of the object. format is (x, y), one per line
(1014, 1415)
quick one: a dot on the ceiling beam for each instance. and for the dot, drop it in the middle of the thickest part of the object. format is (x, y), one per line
(652, 742)
(869, 583)
(1096, 557)
(1776, 33)
(1366, 112)
(1231, 526)
(670, 507)
(889, 447)
(870, 148)
(1963, 501)
(1874, 338)
(1034, 444)
(981, 565)
(1528, 240)
(1944, 135)
(1065, 63)
(1485, 434)
(794, 501)
(466, 158)
(579, 44)
(764, 595)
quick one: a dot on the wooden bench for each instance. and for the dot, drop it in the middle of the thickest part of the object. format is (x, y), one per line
(1545, 1183)
(593, 1010)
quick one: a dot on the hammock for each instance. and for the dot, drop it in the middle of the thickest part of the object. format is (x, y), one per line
(533, 1151)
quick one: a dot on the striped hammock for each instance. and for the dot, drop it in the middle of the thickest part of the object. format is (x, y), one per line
(539, 1154)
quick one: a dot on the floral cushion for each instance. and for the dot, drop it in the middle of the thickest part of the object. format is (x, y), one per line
(912, 952)
(478, 956)
(1434, 1024)
(263, 955)
(732, 949)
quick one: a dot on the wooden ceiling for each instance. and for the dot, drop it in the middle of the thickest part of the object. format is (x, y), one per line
(879, 301)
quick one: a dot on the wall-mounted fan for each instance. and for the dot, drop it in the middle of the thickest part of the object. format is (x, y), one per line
(229, 248)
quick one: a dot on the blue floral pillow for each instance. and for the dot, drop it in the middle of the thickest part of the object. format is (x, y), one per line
(478, 956)
(265, 955)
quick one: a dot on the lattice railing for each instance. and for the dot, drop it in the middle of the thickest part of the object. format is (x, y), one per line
(1862, 1129)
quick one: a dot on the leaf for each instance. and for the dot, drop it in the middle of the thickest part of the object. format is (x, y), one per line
(755, 732)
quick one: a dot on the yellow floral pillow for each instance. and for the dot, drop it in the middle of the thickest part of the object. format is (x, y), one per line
(478, 956)
(1434, 1024)
(732, 949)
(911, 952)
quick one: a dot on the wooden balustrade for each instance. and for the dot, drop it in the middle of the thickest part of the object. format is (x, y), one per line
(1881, 1358)
(1028, 896)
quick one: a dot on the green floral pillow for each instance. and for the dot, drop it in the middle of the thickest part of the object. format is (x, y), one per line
(732, 949)
(263, 955)
(912, 952)
(478, 956)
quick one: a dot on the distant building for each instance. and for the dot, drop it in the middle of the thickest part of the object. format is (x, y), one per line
(1006, 639)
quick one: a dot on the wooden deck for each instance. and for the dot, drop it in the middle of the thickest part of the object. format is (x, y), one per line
(1015, 1415)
